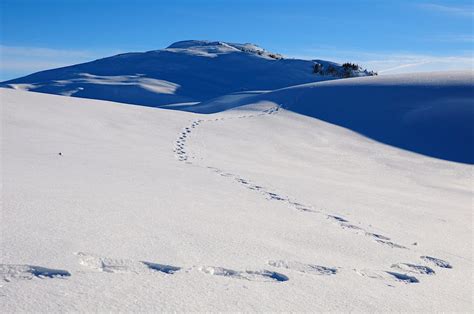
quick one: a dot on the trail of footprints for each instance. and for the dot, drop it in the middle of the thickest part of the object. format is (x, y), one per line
(182, 155)
(401, 272)
(180, 143)
(338, 220)
(9, 272)
(343, 223)
(113, 265)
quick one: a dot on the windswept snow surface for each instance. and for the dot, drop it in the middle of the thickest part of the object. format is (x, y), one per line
(186, 71)
(253, 209)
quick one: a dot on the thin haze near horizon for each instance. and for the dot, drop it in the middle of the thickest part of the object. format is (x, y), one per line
(386, 36)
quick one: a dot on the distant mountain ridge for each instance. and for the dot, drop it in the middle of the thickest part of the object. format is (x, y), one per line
(185, 72)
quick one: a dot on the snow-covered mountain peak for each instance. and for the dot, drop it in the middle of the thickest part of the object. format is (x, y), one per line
(213, 48)
(185, 72)
(192, 44)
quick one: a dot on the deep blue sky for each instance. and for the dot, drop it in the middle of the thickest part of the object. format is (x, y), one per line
(389, 36)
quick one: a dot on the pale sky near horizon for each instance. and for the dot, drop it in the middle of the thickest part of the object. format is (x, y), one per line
(386, 36)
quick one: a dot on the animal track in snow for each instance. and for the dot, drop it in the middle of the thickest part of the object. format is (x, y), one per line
(412, 268)
(436, 261)
(251, 275)
(303, 268)
(9, 272)
(115, 265)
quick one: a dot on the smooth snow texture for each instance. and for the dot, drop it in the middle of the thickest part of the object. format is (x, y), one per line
(255, 209)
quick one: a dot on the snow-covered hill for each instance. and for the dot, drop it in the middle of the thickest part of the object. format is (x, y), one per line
(187, 71)
(427, 113)
(258, 208)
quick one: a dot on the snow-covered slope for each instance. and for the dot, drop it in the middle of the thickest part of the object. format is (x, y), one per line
(430, 113)
(427, 113)
(253, 209)
(186, 71)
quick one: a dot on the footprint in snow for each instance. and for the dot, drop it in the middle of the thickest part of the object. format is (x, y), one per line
(167, 269)
(276, 197)
(377, 236)
(381, 239)
(300, 206)
(337, 218)
(10, 272)
(403, 277)
(251, 275)
(436, 261)
(241, 181)
(346, 225)
(303, 268)
(386, 275)
(390, 244)
(116, 265)
(226, 174)
(412, 268)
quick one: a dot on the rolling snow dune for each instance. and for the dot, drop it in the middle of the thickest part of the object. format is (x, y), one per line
(426, 113)
(253, 209)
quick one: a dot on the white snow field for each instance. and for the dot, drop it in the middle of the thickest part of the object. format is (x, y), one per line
(256, 208)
